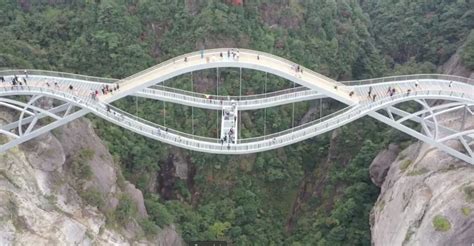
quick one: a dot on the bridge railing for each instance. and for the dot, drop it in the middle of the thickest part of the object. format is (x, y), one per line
(190, 100)
(289, 64)
(171, 61)
(338, 118)
(221, 97)
(292, 135)
(119, 113)
(35, 72)
(296, 128)
(412, 77)
(216, 52)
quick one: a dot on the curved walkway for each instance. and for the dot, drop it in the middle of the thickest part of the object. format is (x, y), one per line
(362, 97)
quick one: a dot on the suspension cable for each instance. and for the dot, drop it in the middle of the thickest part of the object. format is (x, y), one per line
(239, 113)
(217, 112)
(265, 109)
(192, 107)
(164, 109)
(293, 111)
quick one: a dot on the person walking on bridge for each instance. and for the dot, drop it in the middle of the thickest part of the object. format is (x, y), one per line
(202, 53)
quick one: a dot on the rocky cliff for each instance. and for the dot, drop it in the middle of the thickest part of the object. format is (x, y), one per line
(64, 188)
(427, 196)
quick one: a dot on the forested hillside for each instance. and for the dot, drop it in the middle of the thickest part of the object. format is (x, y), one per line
(316, 192)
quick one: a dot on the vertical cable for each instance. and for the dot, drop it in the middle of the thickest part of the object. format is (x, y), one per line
(136, 106)
(293, 113)
(164, 110)
(192, 107)
(240, 86)
(265, 109)
(239, 113)
(217, 112)
(320, 108)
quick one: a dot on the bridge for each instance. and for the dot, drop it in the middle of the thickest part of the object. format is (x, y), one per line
(440, 99)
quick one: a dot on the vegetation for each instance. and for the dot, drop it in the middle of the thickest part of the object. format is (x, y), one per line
(466, 211)
(440, 223)
(92, 197)
(149, 227)
(469, 192)
(80, 164)
(417, 172)
(317, 192)
(125, 210)
(405, 164)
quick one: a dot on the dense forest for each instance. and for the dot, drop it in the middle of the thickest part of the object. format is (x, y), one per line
(317, 192)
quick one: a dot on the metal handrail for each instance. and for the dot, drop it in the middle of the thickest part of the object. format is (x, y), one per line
(414, 77)
(220, 97)
(215, 52)
(342, 117)
(302, 126)
(36, 72)
(262, 99)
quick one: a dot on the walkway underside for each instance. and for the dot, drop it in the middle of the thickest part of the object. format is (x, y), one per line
(440, 112)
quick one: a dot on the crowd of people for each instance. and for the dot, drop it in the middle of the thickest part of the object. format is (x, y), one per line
(391, 91)
(23, 81)
(229, 116)
(105, 89)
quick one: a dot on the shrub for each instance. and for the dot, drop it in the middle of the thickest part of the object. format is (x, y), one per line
(158, 212)
(93, 197)
(149, 228)
(440, 223)
(466, 211)
(418, 172)
(405, 164)
(80, 164)
(469, 192)
(126, 209)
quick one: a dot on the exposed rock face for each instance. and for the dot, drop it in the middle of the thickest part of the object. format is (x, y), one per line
(137, 197)
(40, 198)
(79, 135)
(454, 66)
(421, 184)
(180, 164)
(427, 197)
(380, 165)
